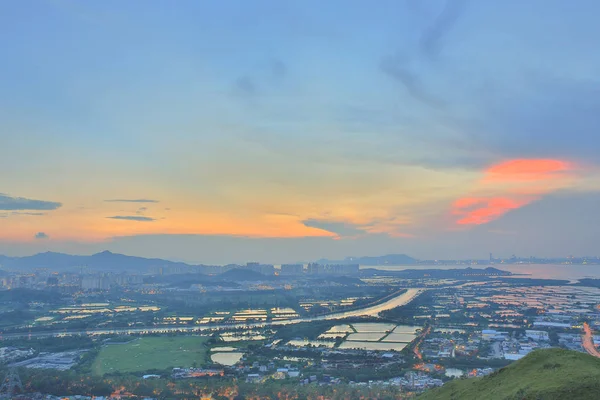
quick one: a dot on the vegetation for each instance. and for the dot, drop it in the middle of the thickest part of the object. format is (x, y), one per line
(151, 353)
(550, 374)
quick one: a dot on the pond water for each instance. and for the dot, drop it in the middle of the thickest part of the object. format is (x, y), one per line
(217, 349)
(331, 335)
(227, 359)
(454, 373)
(373, 327)
(407, 329)
(340, 329)
(399, 337)
(315, 343)
(381, 346)
(366, 336)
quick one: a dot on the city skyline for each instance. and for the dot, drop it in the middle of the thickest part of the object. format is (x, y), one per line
(217, 133)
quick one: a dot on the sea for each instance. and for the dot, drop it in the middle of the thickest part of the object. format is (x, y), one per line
(537, 271)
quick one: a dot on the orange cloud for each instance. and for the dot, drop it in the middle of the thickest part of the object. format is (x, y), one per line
(510, 185)
(526, 170)
(477, 211)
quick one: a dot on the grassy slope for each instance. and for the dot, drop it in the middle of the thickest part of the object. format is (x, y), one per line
(550, 374)
(151, 353)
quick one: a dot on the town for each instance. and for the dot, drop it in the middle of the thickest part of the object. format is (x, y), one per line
(175, 331)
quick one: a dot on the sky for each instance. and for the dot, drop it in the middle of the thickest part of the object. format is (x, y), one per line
(280, 131)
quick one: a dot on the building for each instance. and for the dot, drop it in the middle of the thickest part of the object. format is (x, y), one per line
(95, 282)
(333, 269)
(537, 335)
(292, 269)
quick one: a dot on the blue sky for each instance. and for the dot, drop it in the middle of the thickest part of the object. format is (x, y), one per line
(332, 127)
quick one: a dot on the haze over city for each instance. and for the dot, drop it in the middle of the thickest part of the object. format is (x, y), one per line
(220, 132)
(299, 199)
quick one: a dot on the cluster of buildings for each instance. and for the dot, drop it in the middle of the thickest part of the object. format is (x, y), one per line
(69, 282)
(59, 361)
(411, 382)
(332, 269)
(12, 354)
(186, 373)
(511, 347)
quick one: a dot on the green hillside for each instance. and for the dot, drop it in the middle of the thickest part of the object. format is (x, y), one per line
(551, 374)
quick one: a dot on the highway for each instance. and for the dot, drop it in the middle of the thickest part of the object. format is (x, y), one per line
(373, 311)
(587, 341)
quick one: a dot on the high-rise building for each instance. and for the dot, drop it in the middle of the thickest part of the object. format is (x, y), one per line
(292, 269)
(95, 282)
(332, 269)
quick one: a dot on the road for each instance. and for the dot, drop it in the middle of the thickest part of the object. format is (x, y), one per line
(587, 341)
(397, 301)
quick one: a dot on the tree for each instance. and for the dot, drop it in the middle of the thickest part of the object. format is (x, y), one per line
(101, 389)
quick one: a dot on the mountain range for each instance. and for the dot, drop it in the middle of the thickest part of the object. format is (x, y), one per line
(105, 261)
(113, 262)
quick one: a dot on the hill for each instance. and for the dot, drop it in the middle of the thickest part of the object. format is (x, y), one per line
(549, 374)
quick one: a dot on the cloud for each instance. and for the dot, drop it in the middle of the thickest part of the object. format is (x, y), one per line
(8, 203)
(523, 170)
(340, 229)
(512, 184)
(131, 201)
(277, 68)
(263, 78)
(136, 218)
(245, 86)
(41, 236)
(141, 210)
(432, 39)
(478, 210)
(396, 68)
(546, 118)
(27, 213)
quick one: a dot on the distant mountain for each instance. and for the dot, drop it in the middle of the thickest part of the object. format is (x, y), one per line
(550, 374)
(105, 261)
(457, 273)
(390, 259)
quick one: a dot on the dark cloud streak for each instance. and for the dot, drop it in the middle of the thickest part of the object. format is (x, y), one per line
(432, 39)
(132, 218)
(131, 201)
(410, 80)
(342, 229)
(8, 203)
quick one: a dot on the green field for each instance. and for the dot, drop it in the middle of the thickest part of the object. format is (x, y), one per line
(151, 353)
